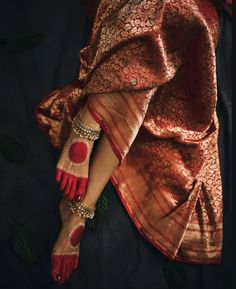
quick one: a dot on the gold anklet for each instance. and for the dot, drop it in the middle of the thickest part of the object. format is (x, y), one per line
(84, 131)
(85, 126)
(81, 210)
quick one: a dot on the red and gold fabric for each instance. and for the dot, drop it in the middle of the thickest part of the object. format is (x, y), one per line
(148, 75)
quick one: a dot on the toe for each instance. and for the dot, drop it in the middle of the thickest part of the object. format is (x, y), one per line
(58, 175)
(81, 187)
(64, 181)
(56, 271)
(68, 186)
(66, 260)
(73, 188)
(69, 267)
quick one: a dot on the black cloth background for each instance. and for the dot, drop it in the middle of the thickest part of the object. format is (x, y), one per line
(115, 256)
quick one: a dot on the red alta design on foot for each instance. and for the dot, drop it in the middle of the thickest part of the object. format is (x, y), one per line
(75, 186)
(75, 236)
(64, 264)
(77, 155)
(78, 152)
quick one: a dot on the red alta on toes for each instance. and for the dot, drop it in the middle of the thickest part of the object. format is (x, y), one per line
(74, 187)
(64, 264)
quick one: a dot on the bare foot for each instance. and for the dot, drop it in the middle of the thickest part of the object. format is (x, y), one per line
(73, 164)
(65, 253)
(64, 258)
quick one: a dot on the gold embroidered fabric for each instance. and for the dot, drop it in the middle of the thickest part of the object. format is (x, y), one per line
(148, 75)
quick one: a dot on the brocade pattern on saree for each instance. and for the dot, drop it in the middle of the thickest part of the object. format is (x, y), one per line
(148, 75)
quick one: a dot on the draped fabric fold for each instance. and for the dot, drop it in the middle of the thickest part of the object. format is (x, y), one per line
(148, 75)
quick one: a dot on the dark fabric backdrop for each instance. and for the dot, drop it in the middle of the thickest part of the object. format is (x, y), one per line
(115, 256)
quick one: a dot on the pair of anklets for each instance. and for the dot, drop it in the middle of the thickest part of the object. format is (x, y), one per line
(83, 130)
(81, 210)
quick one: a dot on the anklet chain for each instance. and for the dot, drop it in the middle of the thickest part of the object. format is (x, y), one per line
(85, 125)
(81, 210)
(84, 131)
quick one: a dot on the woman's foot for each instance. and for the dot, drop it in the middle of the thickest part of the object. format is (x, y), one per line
(64, 258)
(73, 165)
(65, 253)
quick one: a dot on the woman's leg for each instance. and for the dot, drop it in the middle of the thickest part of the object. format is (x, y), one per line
(73, 164)
(101, 169)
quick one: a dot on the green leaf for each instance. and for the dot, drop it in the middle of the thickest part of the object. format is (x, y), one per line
(3, 42)
(22, 243)
(26, 43)
(11, 150)
(101, 209)
(102, 204)
(174, 273)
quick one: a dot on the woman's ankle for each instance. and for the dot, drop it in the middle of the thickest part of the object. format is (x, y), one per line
(87, 118)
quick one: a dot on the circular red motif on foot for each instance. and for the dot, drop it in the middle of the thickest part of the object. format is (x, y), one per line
(76, 236)
(78, 152)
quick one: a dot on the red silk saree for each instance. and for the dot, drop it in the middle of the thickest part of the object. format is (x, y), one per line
(148, 75)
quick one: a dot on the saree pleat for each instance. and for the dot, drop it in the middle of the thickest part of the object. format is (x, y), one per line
(148, 76)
